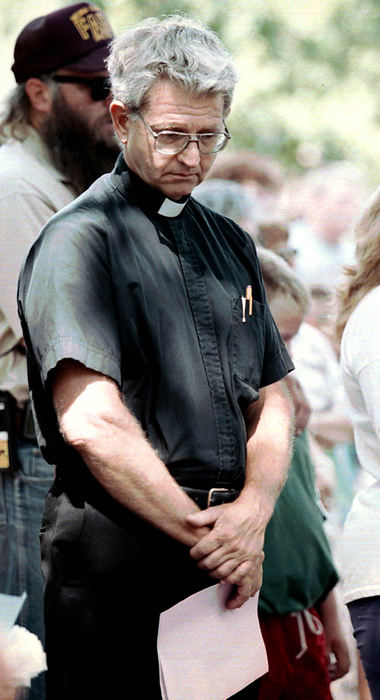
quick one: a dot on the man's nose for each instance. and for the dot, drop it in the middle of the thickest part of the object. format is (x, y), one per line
(190, 155)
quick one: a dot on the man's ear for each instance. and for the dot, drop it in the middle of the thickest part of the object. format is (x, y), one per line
(40, 96)
(120, 118)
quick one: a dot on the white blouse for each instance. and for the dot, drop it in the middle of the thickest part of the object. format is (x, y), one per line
(360, 364)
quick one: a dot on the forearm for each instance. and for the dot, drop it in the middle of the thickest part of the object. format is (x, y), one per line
(233, 550)
(269, 452)
(127, 467)
(328, 611)
(301, 405)
(336, 645)
(110, 440)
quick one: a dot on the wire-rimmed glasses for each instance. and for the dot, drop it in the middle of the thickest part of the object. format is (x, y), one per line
(172, 142)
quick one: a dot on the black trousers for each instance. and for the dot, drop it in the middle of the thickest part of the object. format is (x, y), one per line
(108, 577)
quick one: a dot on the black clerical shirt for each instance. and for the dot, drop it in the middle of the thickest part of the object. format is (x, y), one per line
(154, 301)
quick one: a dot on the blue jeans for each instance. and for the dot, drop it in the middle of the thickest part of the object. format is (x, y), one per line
(365, 618)
(22, 499)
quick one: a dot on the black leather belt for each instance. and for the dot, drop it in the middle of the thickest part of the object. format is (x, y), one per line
(204, 498)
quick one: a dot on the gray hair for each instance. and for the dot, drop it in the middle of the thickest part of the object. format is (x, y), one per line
(174, 47)
(279, 277)
(14, 119)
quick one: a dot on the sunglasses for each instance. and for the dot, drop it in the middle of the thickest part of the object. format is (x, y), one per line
(100, 88)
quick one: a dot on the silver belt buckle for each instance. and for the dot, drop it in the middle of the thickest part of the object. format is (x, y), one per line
(209, 497)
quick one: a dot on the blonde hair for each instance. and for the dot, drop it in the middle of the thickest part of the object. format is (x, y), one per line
(279, 277)
(364, 275)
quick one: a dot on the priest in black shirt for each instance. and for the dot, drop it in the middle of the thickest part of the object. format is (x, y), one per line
(149, 344)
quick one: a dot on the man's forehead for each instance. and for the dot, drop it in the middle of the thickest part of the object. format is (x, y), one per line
(169, 101)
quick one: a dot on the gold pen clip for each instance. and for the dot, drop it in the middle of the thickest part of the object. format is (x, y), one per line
(243, 304)
(249, 298)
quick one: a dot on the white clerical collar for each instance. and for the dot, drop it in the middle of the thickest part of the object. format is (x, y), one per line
(170, 209)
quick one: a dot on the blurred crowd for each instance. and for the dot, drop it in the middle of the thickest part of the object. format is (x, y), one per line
(309, 220)
(319, 252)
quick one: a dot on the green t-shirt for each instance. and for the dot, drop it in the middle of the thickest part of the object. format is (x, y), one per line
(298, 569)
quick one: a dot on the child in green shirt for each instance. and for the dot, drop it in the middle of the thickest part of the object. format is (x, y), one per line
(297, 607)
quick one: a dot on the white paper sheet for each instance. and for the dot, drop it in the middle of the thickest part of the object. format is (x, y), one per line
(10, 606)
(207, 652)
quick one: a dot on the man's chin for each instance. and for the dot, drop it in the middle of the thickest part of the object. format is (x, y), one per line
(179, 190)
(175, 196)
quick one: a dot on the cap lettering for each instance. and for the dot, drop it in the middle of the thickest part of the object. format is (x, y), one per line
(91, 23)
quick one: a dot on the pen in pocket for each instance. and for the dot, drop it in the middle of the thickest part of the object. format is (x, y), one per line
(243, 305)
(249, 298)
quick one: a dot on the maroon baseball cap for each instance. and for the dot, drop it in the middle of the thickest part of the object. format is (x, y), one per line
(76, 37)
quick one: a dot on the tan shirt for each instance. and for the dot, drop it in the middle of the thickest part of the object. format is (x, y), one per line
(31, 191)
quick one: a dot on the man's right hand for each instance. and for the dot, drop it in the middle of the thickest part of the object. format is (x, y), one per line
(232, 551)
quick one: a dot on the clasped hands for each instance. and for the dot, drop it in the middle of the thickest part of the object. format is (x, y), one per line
(232, 550)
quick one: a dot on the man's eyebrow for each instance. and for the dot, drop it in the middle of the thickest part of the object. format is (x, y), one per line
(167, 126)
(172, 126)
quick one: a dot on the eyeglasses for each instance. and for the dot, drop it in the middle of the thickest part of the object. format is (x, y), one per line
(99, 87)
(172, 142)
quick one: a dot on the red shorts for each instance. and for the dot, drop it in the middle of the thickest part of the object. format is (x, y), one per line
(296, 649)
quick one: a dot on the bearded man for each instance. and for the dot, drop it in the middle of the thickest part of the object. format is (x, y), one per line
(57, 138)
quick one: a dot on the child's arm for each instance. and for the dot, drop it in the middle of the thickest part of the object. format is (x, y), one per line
(335, 642)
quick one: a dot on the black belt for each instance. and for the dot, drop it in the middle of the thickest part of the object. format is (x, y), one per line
(204, 498)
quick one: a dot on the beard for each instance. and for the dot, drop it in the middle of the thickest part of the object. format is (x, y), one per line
(77, 151)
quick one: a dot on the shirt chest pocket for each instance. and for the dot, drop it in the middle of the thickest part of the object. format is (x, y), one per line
(248, 341)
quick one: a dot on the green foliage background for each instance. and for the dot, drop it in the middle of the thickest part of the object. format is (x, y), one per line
(309, 70)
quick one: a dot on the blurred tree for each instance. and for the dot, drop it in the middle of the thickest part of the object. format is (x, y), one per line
(309, 71)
